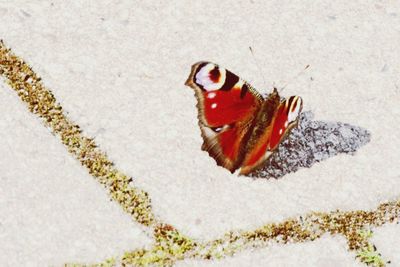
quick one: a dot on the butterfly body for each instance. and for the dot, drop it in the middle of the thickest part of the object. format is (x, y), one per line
(239, 127)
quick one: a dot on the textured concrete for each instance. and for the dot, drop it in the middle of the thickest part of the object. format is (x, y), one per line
(118, 68)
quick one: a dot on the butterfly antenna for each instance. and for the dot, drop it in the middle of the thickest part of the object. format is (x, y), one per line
(295, 77)
(258, 65)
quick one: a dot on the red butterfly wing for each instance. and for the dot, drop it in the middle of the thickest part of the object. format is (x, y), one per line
(227, 106)
(284, 118)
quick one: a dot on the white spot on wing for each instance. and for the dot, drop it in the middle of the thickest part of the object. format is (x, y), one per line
(211, 95)
(280, 131)
(213, 105)
(267, 154)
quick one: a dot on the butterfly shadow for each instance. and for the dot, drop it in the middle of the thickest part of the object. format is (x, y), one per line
(311, 142)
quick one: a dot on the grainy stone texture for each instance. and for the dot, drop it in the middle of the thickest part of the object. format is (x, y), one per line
(311, 142)
(118, 70)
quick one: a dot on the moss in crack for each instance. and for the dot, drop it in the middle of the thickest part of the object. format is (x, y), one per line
(111, 262)
(370, 256)
(42, 102)
(170, 246)
(353, 225)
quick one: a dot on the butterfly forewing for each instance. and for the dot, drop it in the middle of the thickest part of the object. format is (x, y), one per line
(227, 106)
(285, 119)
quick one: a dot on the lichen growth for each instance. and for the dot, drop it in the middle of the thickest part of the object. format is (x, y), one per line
(370, 256)
(355, 226)
(170, 246)
(111, 262)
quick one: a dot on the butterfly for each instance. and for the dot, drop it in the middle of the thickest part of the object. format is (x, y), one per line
(240, 128)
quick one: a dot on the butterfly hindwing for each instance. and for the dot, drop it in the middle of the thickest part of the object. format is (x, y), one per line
(284, 119)
(227, 106)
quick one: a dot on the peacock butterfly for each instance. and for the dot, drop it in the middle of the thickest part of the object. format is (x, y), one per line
(239, 127)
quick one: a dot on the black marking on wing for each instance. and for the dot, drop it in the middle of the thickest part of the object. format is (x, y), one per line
(230, 81)
(244, 90)
(291, 104)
